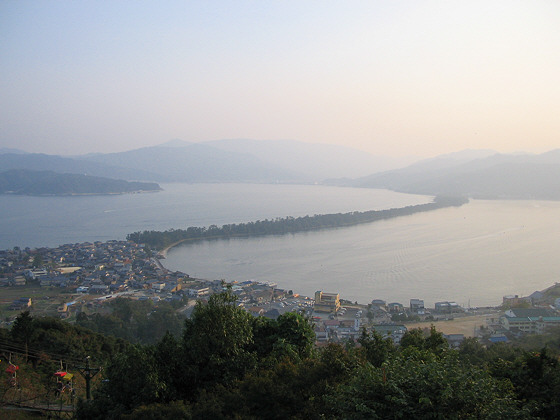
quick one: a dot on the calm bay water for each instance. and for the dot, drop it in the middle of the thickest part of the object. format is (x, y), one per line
(473, 255)
(477, 253)
(52, 221)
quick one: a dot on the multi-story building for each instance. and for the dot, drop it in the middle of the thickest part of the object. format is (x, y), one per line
(417, 306)
(530, 321)
(326, 302)
(447, 307)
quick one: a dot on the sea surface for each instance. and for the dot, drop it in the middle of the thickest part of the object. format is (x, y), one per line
(27, 221)
(474, 254)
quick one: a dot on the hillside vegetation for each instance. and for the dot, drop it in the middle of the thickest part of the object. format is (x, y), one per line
(492, 177)
(228, 364)
(19, 181)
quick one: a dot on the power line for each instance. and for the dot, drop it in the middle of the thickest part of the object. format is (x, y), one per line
(36, 351)
(10, 348)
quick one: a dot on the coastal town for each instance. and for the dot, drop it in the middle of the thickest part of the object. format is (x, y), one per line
(83, 278)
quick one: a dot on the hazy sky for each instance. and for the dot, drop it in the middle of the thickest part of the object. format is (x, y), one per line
(388, 77)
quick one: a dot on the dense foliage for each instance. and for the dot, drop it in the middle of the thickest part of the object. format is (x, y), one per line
(136, 321)
(221, 345)
(44, 339)
(41, 346)
(230, 365)
(279, 226)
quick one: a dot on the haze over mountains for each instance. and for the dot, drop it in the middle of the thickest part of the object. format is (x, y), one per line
(313, 161)
(491, 176)
(215, 161)
(473, 173)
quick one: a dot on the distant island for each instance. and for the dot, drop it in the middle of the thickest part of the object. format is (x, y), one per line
(28, 182)
(161, 240)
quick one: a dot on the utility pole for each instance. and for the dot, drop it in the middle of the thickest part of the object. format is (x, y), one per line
(88, 373)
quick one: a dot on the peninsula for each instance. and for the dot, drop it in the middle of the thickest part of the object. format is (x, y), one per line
(161, 240)
(27, 182)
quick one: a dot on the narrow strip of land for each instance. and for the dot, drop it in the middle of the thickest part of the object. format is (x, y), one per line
(159, 240)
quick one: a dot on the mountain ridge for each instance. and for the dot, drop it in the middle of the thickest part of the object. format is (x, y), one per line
(241, 160)
(476, 173)
(511, 176)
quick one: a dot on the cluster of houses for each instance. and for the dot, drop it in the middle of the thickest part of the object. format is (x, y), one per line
(120, 268)
(20, 304)
(533, 314)
(93, 268)
(416, 307)
(347, 324)
(109, 269)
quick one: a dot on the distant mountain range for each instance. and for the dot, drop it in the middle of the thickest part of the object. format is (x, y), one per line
(476, 174)
(472, 173)
(194, 162)
(27, 182)
(215, 161)
(314, 162)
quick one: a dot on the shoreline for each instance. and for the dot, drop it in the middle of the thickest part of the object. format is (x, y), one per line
(287, 225)
(164, 251)
(81, 194)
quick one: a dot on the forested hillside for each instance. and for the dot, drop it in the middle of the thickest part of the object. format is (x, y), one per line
(494, 177)
(19, 181)
(228, 364)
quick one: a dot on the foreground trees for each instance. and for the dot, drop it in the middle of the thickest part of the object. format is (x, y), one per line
(135, 321)
(228, 364)
(419, 384)
(221, 345)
